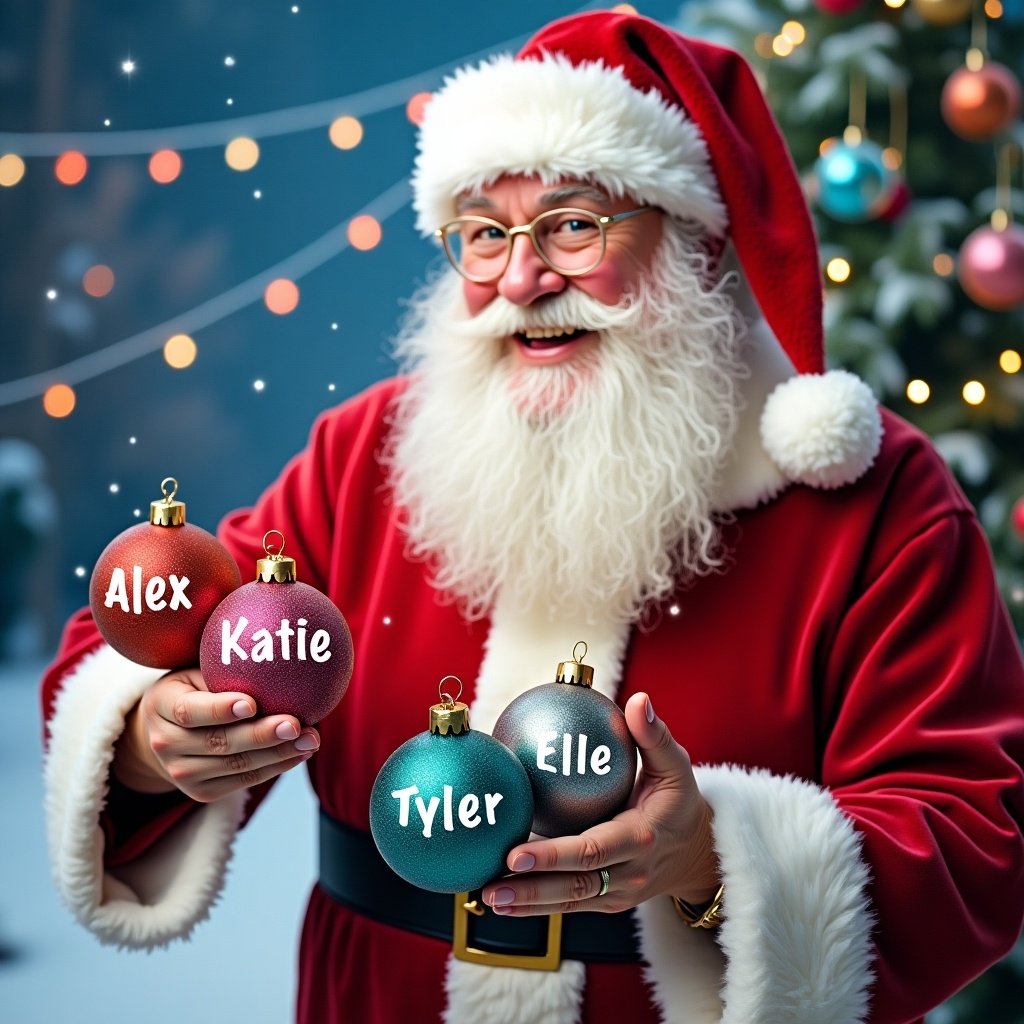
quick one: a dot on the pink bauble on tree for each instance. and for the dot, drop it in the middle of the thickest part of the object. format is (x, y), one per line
(1017, 517)
(991, 267)
(155, 585)
(838, 6)
(282, 642)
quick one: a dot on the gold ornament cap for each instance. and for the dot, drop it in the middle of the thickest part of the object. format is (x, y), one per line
(166, 511)
(451, 716)
(575, 672)
(277, 567)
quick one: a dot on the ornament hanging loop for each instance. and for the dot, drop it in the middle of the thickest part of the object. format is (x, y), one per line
(575, 672)
(446, 698)
(276, 567)
(267, 547)
(167, 511)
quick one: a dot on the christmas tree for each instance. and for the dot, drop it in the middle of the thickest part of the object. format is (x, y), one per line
(903, 119)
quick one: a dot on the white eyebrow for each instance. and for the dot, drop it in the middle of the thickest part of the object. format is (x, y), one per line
(560, 195)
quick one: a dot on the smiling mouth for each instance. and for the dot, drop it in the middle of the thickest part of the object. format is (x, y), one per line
(545, 338)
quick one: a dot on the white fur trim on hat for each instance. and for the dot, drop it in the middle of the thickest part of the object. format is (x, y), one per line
(164, 893)
(557, 120)
(823, 430)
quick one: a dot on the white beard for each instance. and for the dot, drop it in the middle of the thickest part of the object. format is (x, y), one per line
(586, 487)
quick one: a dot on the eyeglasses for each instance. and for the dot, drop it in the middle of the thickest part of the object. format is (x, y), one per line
(570, 241)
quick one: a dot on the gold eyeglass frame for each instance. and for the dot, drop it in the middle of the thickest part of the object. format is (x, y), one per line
(602, 222)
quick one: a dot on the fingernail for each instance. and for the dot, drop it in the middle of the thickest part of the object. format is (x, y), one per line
(242, 709)
(286, 731)
(306, 742)
(649, 710)
(503, 897)
(502, 910)
(523, 861)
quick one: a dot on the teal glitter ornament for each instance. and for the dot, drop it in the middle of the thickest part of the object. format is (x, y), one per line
(449, 804)
(576, 748)
(853, 183)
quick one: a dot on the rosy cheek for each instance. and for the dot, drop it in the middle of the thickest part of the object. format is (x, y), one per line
(477, 295)
(606, 282)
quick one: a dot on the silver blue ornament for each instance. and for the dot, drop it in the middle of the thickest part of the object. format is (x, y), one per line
(576, 748)
(449, 804)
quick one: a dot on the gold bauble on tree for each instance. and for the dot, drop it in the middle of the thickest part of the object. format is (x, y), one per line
(943, 12)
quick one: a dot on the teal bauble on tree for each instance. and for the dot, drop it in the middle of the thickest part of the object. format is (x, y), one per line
(576, 748)
(852, 181)
(449, 804)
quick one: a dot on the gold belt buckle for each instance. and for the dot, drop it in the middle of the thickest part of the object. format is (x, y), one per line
(462, 950)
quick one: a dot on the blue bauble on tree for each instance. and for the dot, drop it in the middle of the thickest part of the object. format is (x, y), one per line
(576, 748)
(449, 804)
(852, 181)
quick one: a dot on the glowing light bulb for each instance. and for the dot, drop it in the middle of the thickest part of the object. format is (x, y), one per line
(918, 392)
(838, 270)
(1009, 361)
(974, 392)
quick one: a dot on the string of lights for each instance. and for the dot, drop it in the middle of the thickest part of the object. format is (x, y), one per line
(238, 135)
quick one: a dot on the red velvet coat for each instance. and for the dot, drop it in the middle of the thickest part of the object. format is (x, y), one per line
(856, 641)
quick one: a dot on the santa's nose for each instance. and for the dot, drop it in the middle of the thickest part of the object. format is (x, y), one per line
(527, 277)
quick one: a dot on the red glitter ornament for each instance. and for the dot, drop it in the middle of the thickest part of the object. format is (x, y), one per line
(282, 642)
(155, 585)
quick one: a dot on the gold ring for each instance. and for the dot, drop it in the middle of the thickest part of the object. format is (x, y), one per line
(606, 881)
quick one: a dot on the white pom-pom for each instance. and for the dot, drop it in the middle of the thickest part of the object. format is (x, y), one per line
(823, 430)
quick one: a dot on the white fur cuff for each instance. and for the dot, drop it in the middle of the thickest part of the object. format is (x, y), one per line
(797, 930)
(167, 891)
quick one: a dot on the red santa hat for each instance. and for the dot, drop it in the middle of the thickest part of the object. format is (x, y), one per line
(680, 124)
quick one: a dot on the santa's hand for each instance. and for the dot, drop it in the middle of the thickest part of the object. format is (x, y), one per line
(182, 736)
(661, 844)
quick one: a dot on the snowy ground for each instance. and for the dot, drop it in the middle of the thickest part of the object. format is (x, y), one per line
(239, 965)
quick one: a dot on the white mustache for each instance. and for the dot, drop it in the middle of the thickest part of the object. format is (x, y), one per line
(571, 308)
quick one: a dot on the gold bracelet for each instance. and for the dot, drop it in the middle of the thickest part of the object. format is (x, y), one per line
(710, 918)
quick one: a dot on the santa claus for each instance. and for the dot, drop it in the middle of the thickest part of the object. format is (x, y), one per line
(613, 423)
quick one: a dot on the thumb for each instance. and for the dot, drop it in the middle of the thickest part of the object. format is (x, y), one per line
(663, 757)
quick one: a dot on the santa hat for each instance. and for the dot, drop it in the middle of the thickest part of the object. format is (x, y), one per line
(680, 124)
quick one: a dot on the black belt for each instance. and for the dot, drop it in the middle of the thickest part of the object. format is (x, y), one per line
(353, 873)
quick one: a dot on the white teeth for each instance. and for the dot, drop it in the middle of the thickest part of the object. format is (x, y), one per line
(547, 332)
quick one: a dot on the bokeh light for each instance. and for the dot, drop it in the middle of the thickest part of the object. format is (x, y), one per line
(164, 166)
(59, 401)
(974, 392)
(12, 169)
(838, 270)
(1010, 361)
(346, 132)
(918, 392)
(943, 264)
(70, 167)
(794, 32)
(782, 46)
(242, 154)
(993, 8)
(416, 106)
(624, 9)
(281, 296)
(180, 351)
(364, 232)
(98, 281)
